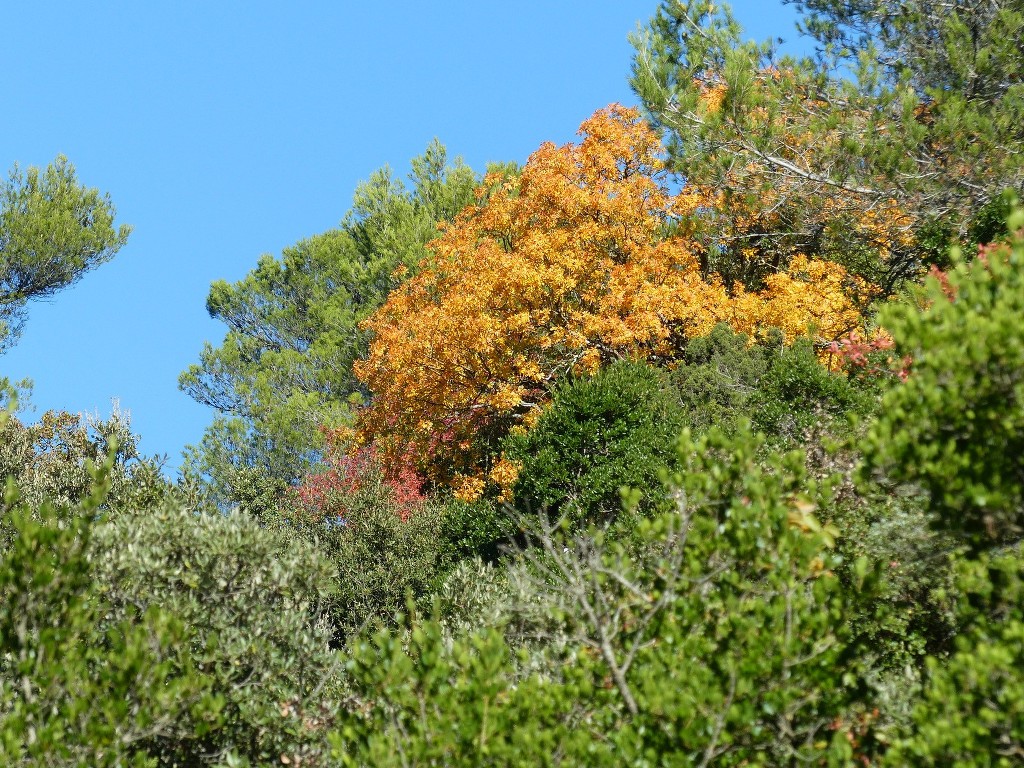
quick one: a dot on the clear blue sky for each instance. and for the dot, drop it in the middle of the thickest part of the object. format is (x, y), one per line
(225, 129)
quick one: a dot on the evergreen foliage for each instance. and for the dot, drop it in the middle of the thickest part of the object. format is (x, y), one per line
(52, 231)
(599, 435)
(897, 135)
(784, 390)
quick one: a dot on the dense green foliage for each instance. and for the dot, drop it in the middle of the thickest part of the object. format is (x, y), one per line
(971, 711)
(381, 550)
(52, 231)
(955, 428)
(180, 635)
(599, 434)
(73, 690)
(632, 681)
(249, 600)
(49, 461)
(784, 390)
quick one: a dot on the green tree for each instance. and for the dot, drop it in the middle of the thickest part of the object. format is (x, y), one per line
(601, 433)
(950, 436)
(381, 538)
(901, 132)
(248, 600)
(962, 61)
(725, 377)
(284, 369)
(52, 231)
(136, 631)
(50, 461)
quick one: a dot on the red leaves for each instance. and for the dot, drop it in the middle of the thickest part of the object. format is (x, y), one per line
(354, 470)
(867, 357)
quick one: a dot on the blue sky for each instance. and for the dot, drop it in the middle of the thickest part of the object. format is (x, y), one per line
(225, 129)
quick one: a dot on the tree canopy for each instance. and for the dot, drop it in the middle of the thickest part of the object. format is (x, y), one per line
(584, 257)
(52, 231)
(284, 370)
(883, 149)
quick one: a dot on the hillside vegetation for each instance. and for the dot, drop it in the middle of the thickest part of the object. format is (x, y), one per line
(698, 441)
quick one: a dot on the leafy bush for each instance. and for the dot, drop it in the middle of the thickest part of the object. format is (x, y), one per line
(615, 429)
(382, 539)
(912, 615)
(77, 686)
(717, 629)
(782, 390)
(483, 528)
(50, 460)
(955, 429)
(247, 599)
(971, 711)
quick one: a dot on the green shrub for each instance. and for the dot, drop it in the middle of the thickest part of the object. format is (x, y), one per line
(955, 430)
(714, 633)
(723, 377)
(600, 434)
(50, 460)
(717, 376)
(382, 546)
(483, 528)
(79, 685)
(971, 709)
(247, 599)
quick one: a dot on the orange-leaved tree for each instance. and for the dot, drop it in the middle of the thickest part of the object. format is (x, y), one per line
(583, 257)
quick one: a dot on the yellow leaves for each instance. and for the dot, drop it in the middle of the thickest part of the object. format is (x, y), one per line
(505, 399)
(468, 489)
(811, 296)
(504, 475)
(563, 268)
(711, 97)
(589, 362)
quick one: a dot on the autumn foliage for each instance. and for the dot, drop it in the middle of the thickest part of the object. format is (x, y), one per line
(350, 470)
(584, 257)
(773, 206)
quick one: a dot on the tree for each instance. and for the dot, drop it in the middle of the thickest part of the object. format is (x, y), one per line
(725, 377)
(254, 651)
(375, 527)
(583, 258)
(961, 60)
(52, 231)
(881, 149)
(617, 428)
(284, 370)
(49, 461)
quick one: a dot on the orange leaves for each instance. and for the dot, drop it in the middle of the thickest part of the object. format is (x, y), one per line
(811, 296)
(563, 268)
